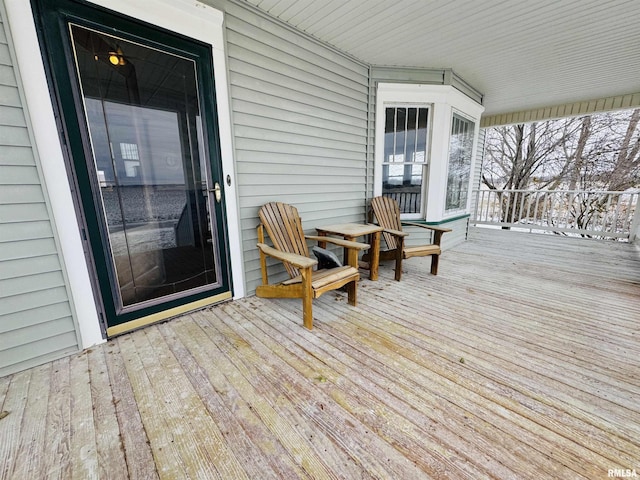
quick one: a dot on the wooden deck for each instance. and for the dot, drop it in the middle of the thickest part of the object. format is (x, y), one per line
(520, 360)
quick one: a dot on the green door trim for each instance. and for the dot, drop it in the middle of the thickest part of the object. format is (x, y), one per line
(52, 18)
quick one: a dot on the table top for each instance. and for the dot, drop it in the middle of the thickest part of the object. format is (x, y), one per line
(350, 229)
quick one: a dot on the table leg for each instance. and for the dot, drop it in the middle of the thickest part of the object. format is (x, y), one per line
(350, 254)
(322, 234)
(374, 256)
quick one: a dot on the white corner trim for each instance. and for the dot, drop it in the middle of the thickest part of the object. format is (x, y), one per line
(45, 133)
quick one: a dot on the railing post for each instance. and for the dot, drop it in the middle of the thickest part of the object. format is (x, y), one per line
(634, 231)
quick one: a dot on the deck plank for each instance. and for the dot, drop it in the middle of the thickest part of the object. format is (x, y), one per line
(166, 455)
(303, 387)
(520, 359)
(29, 460)
(14, 404)
(135, 443)
(246, 434)
(285, 421)
(369, 397)
(57, 462)
(110, 449)
(83, 452)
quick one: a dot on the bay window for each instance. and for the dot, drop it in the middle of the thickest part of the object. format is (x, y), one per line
(425, 140)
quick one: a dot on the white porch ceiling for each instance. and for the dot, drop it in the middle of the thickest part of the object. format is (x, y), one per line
(521, 54)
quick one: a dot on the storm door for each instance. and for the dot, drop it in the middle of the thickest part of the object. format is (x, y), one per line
(147, 165)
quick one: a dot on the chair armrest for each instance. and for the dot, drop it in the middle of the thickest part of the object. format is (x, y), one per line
(339, 241)
(297, 261)
(429, 227)
(395, 233)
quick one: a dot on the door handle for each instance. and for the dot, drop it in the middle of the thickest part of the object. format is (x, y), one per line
(217, 191)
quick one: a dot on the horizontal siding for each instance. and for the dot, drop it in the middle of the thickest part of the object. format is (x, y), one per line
(11, 116)
(37, 352)
(26, 249)
(300, 127)
(34, 315)
(26, 231)
(21, 285)
(36, 323)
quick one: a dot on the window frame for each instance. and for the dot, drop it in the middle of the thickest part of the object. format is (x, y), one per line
(443, 101)
(461, 115)
(425, 165)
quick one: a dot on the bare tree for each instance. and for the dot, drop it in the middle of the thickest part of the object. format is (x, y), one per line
(597, 152)
(527, 157)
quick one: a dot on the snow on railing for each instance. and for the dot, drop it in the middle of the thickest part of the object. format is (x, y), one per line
(593, 214)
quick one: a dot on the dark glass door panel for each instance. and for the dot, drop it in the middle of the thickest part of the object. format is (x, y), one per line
(143, 116)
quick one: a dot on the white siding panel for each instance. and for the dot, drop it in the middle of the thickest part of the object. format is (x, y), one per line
(36, 323)
(26, 248)
(300, 139)
(20, 194)
(5, 56)
(34, 316)
(19, 175)
(23, 213)
(20, 285)
(319, 152)
(30, 354)
(28, 301)
(17, 155)
(14, 136)
(293, 103)
(12, 116)
(15, 338)
(300, 125)
(297, 126)
(7, 76)
(254, 105)
(26, 231)
(9, 96)
(24, 267)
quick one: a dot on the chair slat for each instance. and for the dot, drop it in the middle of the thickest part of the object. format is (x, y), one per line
(387, 213)
(284, 226)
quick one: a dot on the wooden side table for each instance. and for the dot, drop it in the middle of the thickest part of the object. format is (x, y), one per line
(351, 231)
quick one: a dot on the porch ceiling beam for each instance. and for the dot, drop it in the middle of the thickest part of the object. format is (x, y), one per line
(618, 102)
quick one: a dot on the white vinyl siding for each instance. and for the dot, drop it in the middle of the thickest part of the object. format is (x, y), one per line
(36, 323)
(300, 126)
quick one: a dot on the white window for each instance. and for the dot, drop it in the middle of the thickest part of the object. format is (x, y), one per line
(405, 156)
(459, 168)
(424, 148)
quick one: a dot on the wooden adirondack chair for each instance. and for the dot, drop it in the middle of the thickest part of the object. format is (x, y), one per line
(387, 214)
(284, 227)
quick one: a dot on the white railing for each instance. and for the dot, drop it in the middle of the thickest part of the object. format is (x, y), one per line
(570, 212)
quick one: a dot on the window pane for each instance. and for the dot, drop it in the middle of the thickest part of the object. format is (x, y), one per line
(459, 171)
(405, 154)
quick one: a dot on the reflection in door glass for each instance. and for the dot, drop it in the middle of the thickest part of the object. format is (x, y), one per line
(142, 111)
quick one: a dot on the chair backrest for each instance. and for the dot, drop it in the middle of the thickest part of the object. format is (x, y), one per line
(284, 228)
(387, 213)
